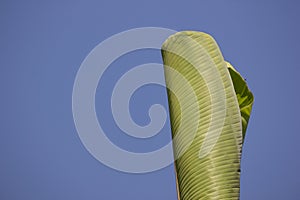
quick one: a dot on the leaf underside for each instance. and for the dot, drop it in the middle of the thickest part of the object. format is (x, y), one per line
(217, 175)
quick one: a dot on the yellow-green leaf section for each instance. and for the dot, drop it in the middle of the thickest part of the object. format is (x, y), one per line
(217, 174)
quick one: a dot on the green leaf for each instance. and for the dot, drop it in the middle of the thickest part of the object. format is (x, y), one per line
(243, 94)
(209, 168)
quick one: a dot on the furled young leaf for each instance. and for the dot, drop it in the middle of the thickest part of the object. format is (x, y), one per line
(210, 167)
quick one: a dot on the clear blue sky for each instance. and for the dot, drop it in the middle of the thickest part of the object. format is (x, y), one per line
(42, 47)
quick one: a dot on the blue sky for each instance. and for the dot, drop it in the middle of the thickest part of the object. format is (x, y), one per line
(42, 47)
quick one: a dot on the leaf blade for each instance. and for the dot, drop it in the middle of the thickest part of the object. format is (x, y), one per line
(215, 176)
